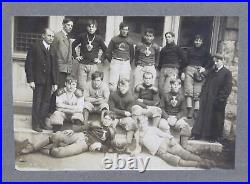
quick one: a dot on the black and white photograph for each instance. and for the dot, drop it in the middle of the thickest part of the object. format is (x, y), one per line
(124, 92)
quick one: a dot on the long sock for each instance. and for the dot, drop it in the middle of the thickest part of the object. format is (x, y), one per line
(196, 109)
(197, 105)
(188, 163)
(187, 155)
(189, 112)
(189, 101)
(41, 143)
(156, 121)
(130, 135)
(85, 115)
(184, 141)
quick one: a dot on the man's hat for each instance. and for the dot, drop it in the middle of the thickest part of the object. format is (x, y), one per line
(219, 56)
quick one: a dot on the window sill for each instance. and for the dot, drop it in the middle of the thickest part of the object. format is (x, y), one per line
(19, 56)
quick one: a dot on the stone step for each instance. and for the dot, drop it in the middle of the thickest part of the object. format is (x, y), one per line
(22, 107)
(22, 121)
(199, 146)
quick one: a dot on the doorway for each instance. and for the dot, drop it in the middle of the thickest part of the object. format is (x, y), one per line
(193, 25)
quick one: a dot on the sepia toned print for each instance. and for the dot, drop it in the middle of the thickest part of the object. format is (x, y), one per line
(125, 92)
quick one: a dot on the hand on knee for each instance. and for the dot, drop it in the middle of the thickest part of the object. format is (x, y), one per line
(137, 110)
(185, 130)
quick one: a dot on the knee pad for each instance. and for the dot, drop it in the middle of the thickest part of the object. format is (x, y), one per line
(188, 93)
(53, 152)
(156, 112)
(56, 119)
(196, 96)
(164, 126)
(119, 142)
(88, 106)
(131, 125)
(185, 130)
(137, 110)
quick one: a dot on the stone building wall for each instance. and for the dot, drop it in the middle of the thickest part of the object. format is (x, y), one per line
(228, 45)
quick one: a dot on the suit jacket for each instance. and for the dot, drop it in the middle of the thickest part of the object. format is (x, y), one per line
(62, 46)
(40, 65)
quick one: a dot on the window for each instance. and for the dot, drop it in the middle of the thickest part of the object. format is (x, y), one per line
(27, 30)
(138, 24)
(80, 23)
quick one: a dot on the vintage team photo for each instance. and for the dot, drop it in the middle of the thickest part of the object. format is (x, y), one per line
(124, 92)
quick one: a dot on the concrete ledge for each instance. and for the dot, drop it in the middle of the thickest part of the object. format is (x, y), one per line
(22, 121)
(198, 146)
(21, 107)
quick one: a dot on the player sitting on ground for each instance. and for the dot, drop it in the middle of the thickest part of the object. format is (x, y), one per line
(69, 105)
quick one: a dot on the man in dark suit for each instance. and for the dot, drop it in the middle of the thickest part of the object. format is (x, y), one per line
(215, 91)
(41, 72)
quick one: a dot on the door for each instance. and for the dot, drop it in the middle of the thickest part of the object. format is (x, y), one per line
(138, 24)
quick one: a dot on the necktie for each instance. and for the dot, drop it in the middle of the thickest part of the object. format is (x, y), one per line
(68, 37)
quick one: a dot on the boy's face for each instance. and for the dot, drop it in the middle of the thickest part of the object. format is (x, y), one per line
(123, 87)
(96, 82)
(91, 28)
(149, 37)
(71, 87)
(148, 79)
(175, 86)
(169, 38)
(68, 27)
(198, 42)
(124, 31)
(218, 62)
(107, 121)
